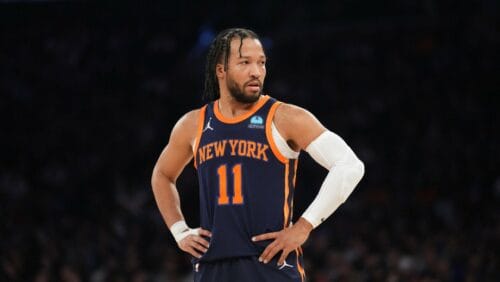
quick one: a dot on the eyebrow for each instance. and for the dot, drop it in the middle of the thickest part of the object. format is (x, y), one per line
(247, 57)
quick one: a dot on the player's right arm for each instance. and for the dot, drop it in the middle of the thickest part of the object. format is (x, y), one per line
(172, 161)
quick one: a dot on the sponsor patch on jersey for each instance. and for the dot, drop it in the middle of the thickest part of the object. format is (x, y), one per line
(256, 122)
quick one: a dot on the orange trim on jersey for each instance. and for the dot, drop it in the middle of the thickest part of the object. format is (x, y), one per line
(199, 131)
(295, 172)
(269, 134)
(300, 268)
(255, 107)
(294, 187)
(286, 208)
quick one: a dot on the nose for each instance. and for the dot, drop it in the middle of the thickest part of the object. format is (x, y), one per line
(255, 71)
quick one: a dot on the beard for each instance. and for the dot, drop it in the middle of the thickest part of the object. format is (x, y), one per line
(238, 92)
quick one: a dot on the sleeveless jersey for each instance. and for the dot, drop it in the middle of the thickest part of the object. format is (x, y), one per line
(246, 184)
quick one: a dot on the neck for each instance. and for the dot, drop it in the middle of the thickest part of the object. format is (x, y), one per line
(229, 107)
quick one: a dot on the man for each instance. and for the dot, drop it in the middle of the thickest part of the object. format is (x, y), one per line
(245, 147)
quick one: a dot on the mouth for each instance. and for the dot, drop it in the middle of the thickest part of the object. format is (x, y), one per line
(254, 85)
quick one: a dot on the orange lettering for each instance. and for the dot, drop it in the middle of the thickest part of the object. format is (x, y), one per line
(233, 146)
(223, 198)
(242, 148)
(201, 154)
(261, 151)
(238, 193)
(209, 151)
(220, 147)
(251, 149)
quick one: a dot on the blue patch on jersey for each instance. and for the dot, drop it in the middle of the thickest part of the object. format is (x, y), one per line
(256, 122)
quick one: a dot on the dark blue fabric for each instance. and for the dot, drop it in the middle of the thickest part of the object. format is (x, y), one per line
(263, 185)
(247, 269)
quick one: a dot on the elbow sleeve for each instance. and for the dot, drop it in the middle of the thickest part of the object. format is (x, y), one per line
(345, 172)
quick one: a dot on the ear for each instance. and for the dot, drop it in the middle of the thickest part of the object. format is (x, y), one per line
(219, 71)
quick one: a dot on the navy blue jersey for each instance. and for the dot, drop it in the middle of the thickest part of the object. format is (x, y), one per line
(246, 185)
(249, 269)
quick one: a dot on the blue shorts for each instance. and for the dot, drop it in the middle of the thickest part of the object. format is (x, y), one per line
(249, 269)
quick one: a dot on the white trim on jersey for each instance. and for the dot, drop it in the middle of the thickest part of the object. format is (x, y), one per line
(283, 147)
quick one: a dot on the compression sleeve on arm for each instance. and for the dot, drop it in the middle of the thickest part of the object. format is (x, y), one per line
(345, 172)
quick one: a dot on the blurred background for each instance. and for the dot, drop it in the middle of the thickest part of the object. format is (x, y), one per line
(90, 91)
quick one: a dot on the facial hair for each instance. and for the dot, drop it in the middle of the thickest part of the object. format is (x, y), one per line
(238, 93)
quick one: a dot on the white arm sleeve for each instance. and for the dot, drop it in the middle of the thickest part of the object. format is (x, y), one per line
(345, 172)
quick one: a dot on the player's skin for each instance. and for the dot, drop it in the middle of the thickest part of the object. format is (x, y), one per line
(298, 126)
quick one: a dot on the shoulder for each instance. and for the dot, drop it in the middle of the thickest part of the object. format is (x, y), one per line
(290, 112)
(297, 125)
(289, 116)
(187, 126)
(189, 121)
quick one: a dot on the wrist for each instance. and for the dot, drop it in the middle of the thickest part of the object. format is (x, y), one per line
(178, 229)
(181, 230)
(304, 225)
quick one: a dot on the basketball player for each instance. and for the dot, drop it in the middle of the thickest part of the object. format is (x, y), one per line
(245, 147)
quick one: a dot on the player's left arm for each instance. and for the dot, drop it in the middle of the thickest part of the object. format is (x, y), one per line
(304, 132)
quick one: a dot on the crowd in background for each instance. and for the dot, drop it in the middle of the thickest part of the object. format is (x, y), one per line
(89, 96)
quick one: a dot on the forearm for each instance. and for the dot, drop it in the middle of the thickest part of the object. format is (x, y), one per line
(336, 188)
(345, 172)
(167, 198)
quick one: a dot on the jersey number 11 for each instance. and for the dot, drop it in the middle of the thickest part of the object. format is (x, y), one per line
(237, 198)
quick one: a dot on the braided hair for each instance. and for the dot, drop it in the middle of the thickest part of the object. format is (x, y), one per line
(218, 52)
